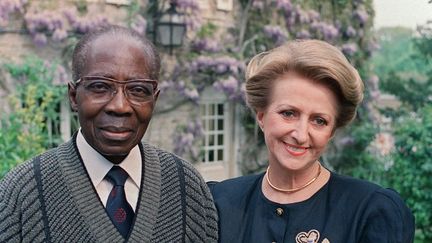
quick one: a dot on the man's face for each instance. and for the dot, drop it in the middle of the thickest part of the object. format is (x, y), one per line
(113, 127)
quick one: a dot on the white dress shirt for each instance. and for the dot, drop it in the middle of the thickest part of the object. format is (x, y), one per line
(98, 166)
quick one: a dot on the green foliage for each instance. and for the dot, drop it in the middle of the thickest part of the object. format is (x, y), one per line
(23, 132)
(81, 6)
(207, 30)
(350, 155)
(404, 68)
(412, 90)
(424, 43)
(412, 170)
(397, 49)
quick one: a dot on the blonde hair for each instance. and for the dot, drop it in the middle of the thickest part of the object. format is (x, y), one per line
(312, 59)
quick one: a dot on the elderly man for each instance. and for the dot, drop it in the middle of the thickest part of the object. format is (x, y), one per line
(104, 185)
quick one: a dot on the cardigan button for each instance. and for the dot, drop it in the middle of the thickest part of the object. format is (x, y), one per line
(279, 211)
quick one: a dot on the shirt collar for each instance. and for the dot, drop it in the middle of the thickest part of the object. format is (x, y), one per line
(98, 166)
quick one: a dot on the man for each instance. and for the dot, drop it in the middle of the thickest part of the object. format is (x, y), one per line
(104, 185)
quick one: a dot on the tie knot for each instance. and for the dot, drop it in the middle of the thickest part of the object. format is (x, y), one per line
(117, 176)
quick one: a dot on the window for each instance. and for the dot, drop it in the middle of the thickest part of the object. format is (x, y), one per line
(213, 116)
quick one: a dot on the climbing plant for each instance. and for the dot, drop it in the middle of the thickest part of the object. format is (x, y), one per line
(27, 129)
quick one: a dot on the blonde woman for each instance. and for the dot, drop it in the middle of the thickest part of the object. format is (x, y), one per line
(301, 93)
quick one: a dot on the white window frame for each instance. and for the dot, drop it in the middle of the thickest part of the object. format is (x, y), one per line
(213, 143)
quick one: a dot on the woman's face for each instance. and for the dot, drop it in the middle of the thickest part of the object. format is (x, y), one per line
(298, 122)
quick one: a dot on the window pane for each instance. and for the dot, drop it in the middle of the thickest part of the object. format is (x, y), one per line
(204, 124)
(203, 110)
(211, 110)
(211, 125)
(220, 109)
(211, 140)
(202, 155)
(220, 139)
(211, 156)
(220, 155)
(220, 126)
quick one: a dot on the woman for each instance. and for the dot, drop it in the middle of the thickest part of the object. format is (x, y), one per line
(301, 93)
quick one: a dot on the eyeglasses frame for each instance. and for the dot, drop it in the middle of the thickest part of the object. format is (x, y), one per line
(153, 82)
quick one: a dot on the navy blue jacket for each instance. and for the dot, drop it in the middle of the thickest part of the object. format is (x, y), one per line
(345, 210)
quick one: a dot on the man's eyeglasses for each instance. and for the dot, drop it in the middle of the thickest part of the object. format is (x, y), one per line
(102, 89)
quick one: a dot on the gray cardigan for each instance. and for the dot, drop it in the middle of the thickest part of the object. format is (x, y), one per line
(51, 199)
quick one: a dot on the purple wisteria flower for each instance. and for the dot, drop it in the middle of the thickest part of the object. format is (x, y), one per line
(314, 16)
(219, 65)
(185, 138)
(285, 5)
(192, 94)
(39, 39)
(193, 19)
(258, 4)
(303, 34)
(361, 15)
(59, 34)
(349, 48)
(56, 24)
(230, 86)
(275, 33)
(303, 17)
(201, 63)
(8, 7)
(43, 22)
(195, 127)
(86, 24)
(71, 15)
(166, 85)
(206, 45)
(324, 30)
(182, 143)
(350, 32)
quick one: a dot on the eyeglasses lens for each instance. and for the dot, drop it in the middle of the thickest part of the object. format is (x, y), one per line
(137, 92)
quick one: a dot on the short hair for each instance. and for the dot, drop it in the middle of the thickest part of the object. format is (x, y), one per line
(79, 58)
(312, 59)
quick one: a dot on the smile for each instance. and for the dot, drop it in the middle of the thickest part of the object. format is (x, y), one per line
(295, 150)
